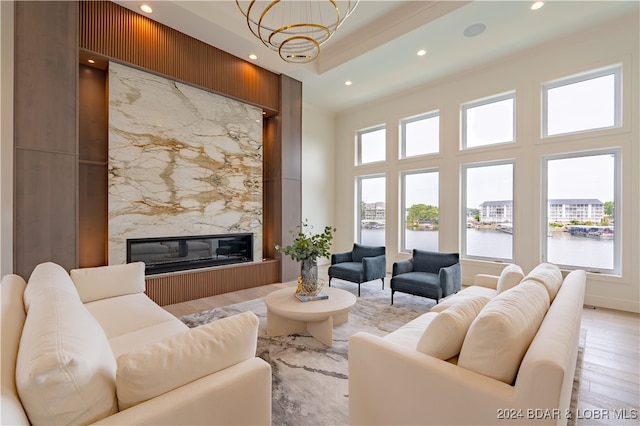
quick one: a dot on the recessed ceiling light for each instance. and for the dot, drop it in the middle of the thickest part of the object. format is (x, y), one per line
(537, 5)
(253, 56)
(422, 52)
(348, 83)
(474, 30)
(146, 8)
(91, 61)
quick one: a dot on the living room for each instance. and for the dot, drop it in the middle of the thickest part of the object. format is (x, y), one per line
(606, 44)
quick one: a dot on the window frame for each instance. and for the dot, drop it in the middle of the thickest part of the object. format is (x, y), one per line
(615, 70)
(617, 202)
(359, 212)
(463, 205)
(486, 101)
(403, 132)
(359, 134)
(403, 185)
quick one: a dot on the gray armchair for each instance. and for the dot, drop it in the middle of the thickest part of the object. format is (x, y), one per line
(360, 265)
(427, 274)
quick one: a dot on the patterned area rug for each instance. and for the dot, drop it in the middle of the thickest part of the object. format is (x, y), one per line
(310, 383)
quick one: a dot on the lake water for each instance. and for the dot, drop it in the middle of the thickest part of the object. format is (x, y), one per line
(563, 248)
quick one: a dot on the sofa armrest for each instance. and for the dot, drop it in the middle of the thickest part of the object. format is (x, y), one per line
(450, 279)
(238, 395)
(103, 282)
(181, 358)
(375, 267)
(485, 280)
(341, 257)
(402, 267)
(414, 388)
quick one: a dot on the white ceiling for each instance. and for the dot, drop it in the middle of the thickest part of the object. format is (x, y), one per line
(376, 47)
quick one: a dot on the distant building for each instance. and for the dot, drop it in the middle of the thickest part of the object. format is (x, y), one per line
(578, 209)
(496, 211)
(562, 210)
(374, 211)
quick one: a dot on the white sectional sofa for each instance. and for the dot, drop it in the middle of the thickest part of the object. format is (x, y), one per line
(501, 351)
(90, 347)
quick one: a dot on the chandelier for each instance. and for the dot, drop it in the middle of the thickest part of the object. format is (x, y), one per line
(295, 28)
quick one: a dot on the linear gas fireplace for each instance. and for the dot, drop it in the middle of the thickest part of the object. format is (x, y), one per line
(169, 254)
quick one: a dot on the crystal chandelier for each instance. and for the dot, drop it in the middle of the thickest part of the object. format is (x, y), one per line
(295, 28)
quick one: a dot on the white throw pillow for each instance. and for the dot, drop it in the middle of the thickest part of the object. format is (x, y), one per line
(47, 276)
(500, 335)
(103, 282)
(65, 371)
(444, 335)
(182, 358)
(548, 275)
(510, 277)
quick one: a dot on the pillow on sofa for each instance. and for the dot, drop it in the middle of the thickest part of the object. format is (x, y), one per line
(444, 335)
(548, 275)
(45, 277)
(182, 358)
(103, 282)
(65, 371)
(510, 277)
(501, 334)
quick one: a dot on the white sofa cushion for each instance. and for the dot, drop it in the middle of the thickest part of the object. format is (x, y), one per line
(548, 275)
(409, 334)
(103, 282)
(510, 276)
(182, 358)
(65, 371)
(466, 293)
(47, 276)
(443, 337)
(500, 335)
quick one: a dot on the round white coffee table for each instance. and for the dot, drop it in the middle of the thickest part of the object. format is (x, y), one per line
(287, 315)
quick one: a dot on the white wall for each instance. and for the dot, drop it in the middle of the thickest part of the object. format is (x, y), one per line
(318, 177)
(616, 42)
(6, 137)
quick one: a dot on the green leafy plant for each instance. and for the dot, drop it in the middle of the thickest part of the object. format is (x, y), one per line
(307, 245)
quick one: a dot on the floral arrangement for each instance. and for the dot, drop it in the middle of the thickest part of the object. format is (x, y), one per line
(307, 245)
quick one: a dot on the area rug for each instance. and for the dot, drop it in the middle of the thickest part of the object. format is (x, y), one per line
(310, 382)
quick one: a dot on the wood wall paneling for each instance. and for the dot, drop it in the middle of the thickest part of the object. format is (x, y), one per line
(126, 36)
(45, 134)
(93, 172)
(173, 288)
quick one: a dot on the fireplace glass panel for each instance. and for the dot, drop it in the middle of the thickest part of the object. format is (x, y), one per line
(171, 254)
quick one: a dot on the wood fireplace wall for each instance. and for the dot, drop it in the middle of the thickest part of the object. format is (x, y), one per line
(60, 184)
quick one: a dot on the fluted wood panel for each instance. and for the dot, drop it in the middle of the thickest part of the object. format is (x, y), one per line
(121, 34)
(168, 289)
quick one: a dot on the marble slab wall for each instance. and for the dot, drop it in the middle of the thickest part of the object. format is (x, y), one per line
(182, 161)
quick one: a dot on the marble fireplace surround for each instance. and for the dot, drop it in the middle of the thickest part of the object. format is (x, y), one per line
(182, 162)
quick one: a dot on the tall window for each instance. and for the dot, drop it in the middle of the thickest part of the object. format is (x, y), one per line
(420, 135)
(581, 195)
(372, 145)
(585, 102)
(371, 210)
(420, 221)
(488, 121)
(488, 207)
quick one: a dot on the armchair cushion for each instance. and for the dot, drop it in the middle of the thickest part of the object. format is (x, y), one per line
(419, 284)
(427, 261)
(182, 358)
(360, 251)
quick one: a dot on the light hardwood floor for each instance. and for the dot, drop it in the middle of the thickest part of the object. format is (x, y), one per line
(610, 383)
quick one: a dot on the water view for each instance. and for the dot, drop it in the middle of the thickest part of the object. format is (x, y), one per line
(563, 248)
